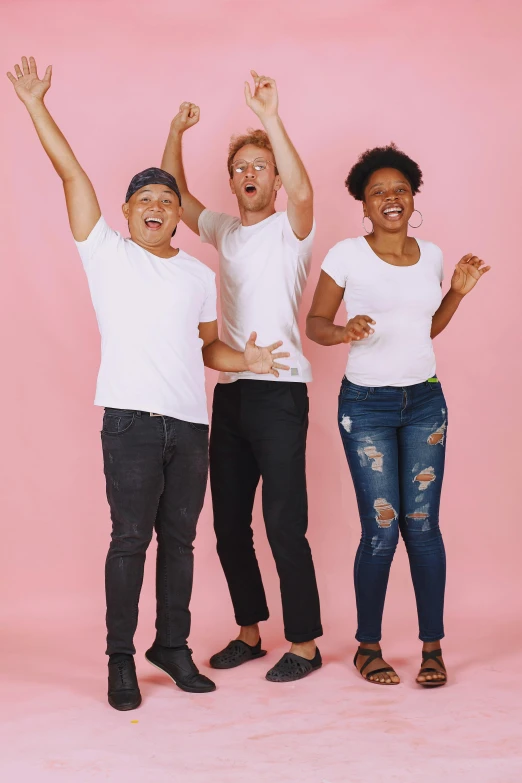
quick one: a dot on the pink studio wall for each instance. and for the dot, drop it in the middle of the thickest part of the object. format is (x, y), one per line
(442, 81)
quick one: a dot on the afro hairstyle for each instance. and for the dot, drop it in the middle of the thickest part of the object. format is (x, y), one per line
(382, 158)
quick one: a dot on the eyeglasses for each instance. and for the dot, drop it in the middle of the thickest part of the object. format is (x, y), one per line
(240, 166)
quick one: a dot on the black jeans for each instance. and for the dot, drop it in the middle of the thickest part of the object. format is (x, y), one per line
(259, 430)
(156, 474)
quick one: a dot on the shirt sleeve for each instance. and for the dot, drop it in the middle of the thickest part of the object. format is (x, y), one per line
(209, 306)
(335, 265)
(213, 226)
(101, 237)
(302, 246)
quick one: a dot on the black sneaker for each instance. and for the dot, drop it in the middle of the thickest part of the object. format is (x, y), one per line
(124, 692)
(180, 667)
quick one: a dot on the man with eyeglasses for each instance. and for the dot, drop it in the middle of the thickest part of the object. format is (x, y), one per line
(258, 428)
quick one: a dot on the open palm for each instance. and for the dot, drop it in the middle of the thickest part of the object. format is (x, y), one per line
(27, 85)
(467, 273)
(262, 360)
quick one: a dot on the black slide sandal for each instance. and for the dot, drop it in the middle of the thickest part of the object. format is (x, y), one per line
(433, 655)
(235, 653)
(292, 667)
(372, 655)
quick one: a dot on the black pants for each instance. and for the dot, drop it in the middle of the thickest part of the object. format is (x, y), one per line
(156, 473)
(259, 430)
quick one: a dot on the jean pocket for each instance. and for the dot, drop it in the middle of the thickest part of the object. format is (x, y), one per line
(200, 427)
(117, 423)
(353, 393)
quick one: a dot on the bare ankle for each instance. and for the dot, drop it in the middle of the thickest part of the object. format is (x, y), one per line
(304, 649)
(430, 646)
(249, 634)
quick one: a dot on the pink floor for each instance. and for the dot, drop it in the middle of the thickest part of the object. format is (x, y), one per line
(330, 728)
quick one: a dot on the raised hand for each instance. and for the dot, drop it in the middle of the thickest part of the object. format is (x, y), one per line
(358, 328)
(27, 85)
(264, 101)
(467, 273)
(262, 360)
(187, 116)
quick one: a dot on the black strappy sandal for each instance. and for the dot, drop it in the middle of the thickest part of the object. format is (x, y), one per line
(293, 667)
(372, 655)
(433, 655)
(235, 653)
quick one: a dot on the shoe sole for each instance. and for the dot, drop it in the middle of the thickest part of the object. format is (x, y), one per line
(185, 688)
(125, 709)
(239, 663)
(296, 679)
(433, 684)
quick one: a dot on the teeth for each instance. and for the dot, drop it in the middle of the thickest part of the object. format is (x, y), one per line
(153, 220)
(392, 209)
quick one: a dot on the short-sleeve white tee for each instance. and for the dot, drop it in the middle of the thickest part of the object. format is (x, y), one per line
(401, 300)
(148, 310)
(263, 271)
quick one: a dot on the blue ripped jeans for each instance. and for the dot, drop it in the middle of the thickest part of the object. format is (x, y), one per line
(395, 444)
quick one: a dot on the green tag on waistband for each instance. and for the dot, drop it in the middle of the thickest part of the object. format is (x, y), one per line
(433, 380)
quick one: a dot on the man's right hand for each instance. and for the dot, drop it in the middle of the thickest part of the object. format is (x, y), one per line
(27, 85)
(358, 328)
(187, 116)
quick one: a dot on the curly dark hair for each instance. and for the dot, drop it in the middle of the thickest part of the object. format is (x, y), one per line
(382, 158)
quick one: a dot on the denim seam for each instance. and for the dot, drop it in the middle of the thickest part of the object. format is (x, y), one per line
(165, 436)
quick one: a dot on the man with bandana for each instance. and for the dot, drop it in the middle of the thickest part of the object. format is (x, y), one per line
(156, 310)
(259, 428)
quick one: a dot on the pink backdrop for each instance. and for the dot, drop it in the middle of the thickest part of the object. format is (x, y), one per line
(442, 80)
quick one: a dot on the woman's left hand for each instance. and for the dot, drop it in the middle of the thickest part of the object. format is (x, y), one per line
(467, 273)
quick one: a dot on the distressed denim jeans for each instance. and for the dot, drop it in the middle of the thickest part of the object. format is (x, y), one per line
(395, 444)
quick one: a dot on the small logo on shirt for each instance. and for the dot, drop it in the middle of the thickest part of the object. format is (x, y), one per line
(294, 371)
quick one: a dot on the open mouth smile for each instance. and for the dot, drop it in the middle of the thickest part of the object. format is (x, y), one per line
(153, 223)
(393, 213)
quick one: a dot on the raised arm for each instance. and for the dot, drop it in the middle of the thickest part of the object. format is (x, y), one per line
(219, 356)
(172, 162)
(320, 325)
(264, 102)
(82, 204)
(467, 273)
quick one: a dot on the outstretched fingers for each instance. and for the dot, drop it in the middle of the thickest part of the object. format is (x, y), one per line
(275, 346)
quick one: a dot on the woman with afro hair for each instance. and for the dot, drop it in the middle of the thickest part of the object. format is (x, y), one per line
(392, 414)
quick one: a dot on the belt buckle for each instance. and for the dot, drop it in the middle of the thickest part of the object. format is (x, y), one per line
(155, 414)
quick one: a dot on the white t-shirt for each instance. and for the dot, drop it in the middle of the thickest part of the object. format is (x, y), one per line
(263, 271)
(148, 310)
(401, 300)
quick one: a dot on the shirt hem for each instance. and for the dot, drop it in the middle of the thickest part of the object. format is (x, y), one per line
(267, 377)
